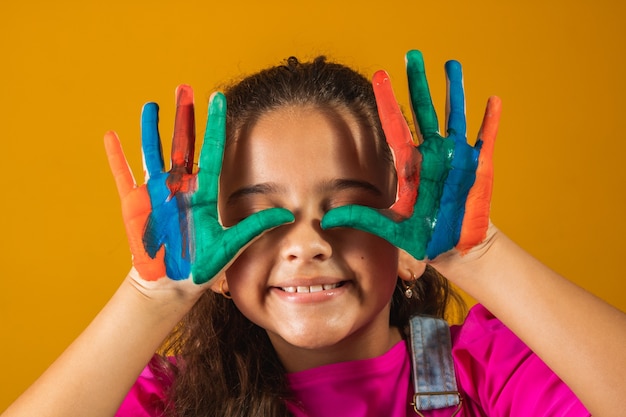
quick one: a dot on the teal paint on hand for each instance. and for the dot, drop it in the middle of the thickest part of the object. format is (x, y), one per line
(447, 167)
(216, 246)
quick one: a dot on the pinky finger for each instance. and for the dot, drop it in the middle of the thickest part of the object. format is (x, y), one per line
(120, 169)
(491, 120)
(477, 206)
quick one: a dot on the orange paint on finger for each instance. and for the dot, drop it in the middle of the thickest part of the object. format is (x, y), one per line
(398, 135)
(407, 162)
(135, 210)
(478, 203)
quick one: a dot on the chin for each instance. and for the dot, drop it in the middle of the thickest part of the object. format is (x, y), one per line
(307, 340)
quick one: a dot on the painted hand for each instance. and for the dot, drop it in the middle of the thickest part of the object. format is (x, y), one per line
(164, 218)
(444, 184)
(215, 246)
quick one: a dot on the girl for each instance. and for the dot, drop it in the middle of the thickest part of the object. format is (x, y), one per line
(283, 276)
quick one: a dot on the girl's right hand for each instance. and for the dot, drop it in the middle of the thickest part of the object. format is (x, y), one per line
(172, 220)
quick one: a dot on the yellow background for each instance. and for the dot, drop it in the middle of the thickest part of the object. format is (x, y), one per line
(69, 71)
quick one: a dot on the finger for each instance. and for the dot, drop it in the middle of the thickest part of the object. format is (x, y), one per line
(455, 101)
(408, 235)
(252, 226)
(421, 102)
(476, 220)
(398, 136)
(391, 117)
(491, 121)
(362, 218)
(184, 130)
(119, 166)
(150, 140)
(213, 258)
(212, 153)
(207, 263)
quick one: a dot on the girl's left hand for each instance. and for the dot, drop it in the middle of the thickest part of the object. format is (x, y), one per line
(444, 184)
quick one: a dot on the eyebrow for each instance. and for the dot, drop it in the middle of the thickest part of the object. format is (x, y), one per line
(332, 185)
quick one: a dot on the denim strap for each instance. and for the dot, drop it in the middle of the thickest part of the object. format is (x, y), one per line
(434, 379)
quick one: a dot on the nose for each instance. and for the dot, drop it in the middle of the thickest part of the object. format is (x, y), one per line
(304, 241)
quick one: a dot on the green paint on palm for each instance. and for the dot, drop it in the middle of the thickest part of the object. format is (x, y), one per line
(437, 155)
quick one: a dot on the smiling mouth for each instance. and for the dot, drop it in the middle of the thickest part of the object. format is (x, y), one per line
(312, 288)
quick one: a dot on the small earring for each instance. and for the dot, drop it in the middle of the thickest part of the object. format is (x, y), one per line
(224, 293)
(408, 288)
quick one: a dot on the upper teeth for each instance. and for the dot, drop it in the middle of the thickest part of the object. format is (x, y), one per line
(312, 288)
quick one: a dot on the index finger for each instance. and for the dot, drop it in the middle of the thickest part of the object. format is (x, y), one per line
(421, 102)
(184, 130)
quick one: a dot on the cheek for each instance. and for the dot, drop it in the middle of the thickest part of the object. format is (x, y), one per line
(247, 284)
(241, 270)
(376, 257)
(244, 288)
(250, 269)
(385, 272)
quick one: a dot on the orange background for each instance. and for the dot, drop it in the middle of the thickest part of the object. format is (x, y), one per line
(71, 70)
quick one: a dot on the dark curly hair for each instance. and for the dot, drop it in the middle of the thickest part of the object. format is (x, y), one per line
(226, 365)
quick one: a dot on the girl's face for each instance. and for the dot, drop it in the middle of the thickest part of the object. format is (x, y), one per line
(322, 295)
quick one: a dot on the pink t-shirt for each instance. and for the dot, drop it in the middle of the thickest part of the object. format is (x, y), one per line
(497, 375)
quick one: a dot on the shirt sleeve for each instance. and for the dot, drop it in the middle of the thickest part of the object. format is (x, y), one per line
(500, 376)
(147, 396)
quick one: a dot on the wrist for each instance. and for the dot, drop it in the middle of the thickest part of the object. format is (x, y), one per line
(462, 269)
(164, 297)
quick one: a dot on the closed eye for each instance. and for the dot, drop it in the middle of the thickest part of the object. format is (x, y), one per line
(251, 190)
(350, 191)
(251, 199)
(352, 184)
